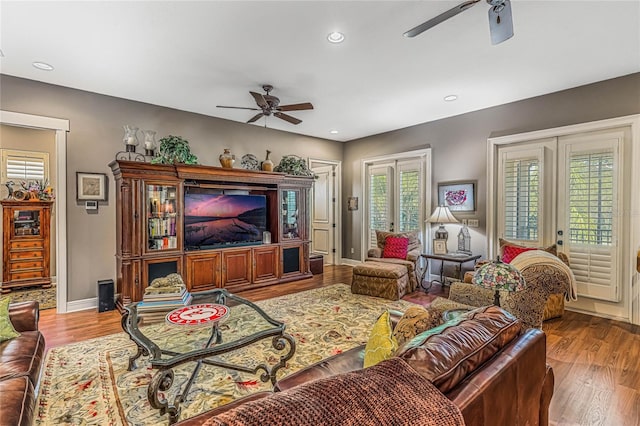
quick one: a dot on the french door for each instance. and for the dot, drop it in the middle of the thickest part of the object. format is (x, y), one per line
(566, 190)
(394, 195)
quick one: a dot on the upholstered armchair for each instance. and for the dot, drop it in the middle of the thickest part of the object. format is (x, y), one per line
(414, 250)
(545, 275)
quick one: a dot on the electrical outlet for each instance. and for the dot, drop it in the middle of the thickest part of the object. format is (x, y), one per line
(464, 221)
(352, 250)
(473, 223)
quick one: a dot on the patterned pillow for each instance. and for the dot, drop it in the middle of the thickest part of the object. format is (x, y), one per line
(510, 252)
(7, 332)
(381, 344)
(415, 320)
(413, 236)
(508, 245)
(395, 247)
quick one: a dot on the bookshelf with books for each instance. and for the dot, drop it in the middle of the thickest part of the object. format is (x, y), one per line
(162, 215)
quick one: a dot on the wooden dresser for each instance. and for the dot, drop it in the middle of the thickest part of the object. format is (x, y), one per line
(26, 244)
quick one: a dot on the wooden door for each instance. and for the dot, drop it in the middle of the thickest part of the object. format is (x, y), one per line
(236, 267)
(266, 261)
(203, 271)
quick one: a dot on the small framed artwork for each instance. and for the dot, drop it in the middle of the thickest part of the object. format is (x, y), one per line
(352, 203)
(458, 196)
(91, 186)
(439, 246)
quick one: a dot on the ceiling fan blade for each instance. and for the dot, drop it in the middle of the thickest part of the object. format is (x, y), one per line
(223, 106)
(288, 118)
(255, 118)
(295, 107)
(260, 100)
(440, 18)
(500, 22)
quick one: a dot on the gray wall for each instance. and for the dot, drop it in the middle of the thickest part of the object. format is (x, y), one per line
(459, 143)
(459, 150)
(96, 135)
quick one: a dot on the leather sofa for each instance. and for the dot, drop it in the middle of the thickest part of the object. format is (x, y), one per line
(492, 370)
(21, 359)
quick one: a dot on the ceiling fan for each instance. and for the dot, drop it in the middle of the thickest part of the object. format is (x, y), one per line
(269, 104)
(500, 20)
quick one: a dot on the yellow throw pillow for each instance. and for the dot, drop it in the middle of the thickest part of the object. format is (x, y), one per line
(415, 320)
(381, 345)
(7, 331)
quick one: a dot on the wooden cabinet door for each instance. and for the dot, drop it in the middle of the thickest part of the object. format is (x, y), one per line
(203, 271)
(266, 261)
(236, 267)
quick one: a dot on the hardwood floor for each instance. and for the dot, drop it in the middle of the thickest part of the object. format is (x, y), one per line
(596, 361)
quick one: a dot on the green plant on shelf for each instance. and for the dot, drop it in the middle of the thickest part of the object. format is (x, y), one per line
(174, 149)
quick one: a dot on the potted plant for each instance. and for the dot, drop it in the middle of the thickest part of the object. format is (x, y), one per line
(174, 149)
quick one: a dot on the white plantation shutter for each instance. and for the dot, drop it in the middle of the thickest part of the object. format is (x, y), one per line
(379, 197)
(520, 196)
(590, 219)
(22, 166)
(409, 203)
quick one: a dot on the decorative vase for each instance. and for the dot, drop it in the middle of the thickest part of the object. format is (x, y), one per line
(227, 159)
(149, 142)
(130, 137)
(267, 165)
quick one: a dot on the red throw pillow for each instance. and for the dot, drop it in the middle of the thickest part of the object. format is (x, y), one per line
(510, 252)
(395, 247)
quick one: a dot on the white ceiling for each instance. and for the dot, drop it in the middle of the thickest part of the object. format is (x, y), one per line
(195, 55)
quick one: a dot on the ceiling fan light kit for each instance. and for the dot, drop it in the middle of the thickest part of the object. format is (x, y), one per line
(500, 20)
(270, 105)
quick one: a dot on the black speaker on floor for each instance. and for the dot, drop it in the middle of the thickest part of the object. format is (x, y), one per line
(105, 296)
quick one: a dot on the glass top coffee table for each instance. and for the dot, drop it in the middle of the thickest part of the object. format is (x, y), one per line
(215, 324)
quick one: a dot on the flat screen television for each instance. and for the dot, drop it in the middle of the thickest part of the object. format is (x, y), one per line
(214, 220)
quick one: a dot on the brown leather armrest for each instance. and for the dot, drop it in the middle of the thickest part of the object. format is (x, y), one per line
(347, 361)
(24, 315)
(545, 397)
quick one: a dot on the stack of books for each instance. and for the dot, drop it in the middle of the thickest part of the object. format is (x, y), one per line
(154, 307)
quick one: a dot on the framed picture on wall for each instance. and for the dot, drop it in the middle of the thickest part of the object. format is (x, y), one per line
(91, 186)
(458, 196)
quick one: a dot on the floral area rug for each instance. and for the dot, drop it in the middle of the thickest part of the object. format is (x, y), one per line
(88, 383)
(46, 296)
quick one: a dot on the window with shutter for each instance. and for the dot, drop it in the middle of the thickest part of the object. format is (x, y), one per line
(409, 200)
(23, 166)
(521, 194)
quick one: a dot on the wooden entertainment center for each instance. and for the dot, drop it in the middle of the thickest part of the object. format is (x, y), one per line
(150, 229)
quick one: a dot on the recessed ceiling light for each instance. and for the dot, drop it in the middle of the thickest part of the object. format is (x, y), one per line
(335, 37)
(334, 132)
(451, 98)
(43, 66)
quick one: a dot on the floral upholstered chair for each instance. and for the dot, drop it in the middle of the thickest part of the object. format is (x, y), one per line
(545, 275)
(413, 251)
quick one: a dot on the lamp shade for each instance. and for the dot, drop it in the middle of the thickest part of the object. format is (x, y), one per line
(499, 276)
(442, 214)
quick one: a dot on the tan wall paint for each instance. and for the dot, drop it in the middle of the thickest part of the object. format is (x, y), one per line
(459, 144)
(96, 135)
(25, 139)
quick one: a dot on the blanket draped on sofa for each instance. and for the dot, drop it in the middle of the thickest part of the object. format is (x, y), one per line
(389, 393)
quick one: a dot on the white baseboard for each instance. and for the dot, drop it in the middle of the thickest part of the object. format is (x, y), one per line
(82, 305)
(349, 262)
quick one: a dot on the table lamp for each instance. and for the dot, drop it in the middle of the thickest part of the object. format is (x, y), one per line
(499, 276)
(442, 215)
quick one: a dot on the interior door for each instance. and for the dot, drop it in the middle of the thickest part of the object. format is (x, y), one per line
(322, 214)
(589, 206)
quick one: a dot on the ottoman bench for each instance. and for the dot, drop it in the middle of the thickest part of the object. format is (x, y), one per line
(386, 280)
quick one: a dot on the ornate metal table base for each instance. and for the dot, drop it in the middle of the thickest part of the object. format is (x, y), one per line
(163, 379)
